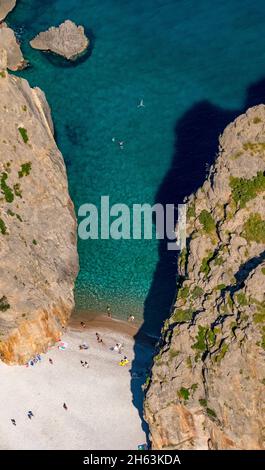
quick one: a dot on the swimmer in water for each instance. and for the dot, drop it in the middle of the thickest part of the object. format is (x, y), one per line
(141, 104)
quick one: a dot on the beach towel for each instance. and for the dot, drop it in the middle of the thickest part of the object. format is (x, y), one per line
(123, 362)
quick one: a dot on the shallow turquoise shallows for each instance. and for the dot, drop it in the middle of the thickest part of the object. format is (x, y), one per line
(196, 64)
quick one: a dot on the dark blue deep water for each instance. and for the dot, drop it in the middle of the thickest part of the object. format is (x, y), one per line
(196, 64)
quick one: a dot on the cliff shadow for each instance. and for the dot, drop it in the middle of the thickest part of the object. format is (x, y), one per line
(196, 146)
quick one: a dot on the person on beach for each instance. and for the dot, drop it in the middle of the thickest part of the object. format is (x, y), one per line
(83, 324)
(30, 414)
(84, 364)
(124, 361)
(65, 406)
(99, 339)
(50, 361)
(13, 421)
(108, 311)
(118, 347)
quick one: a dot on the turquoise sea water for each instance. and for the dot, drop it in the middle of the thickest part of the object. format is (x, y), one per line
(193, 63)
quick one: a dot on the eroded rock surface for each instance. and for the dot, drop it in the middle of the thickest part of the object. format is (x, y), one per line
(207, 385)
(38, 255)
(68, 40)
(8, 41)
(5, 7)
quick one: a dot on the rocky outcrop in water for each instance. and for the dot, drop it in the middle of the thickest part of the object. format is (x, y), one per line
(5, 7)
(8, 41)
(207, 385)
(68, 40)
(38, 255)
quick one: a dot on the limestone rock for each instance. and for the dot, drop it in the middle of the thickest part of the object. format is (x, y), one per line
(5, 7)
(208, 379)
(3, 60)
(68, 40)
(8, 41)
(38, 254)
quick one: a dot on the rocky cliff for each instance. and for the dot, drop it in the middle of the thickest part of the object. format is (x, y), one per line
(5, 7)
(38, 255)
(67, 40)
(8, 41)
(206, 390)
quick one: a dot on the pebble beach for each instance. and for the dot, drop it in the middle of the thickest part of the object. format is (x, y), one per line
(100, 413)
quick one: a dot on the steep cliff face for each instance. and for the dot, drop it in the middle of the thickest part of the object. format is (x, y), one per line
(38, 255)
(208, 379)
(8, 41)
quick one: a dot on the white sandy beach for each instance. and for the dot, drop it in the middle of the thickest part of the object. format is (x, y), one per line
(100, 412)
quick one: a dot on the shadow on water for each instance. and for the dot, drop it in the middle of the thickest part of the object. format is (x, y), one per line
(196, 146)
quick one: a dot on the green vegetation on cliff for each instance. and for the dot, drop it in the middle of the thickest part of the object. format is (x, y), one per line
(183, 292)
(25, 169)
(4, 305)
(6, 190)
(242, 299)
(243, 190)
(205, 268)
(259, 316)
(197, 292)
(183, 258)
(3, 228)
(207, 221)
(254, 147)
(180, 315)
(24, 134)
(254, 229)
(184, 393)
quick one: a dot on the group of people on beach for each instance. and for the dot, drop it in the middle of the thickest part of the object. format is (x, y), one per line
(84, 364)
(118, 348)
(29, 414)
(99, 339)
(130, 318)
